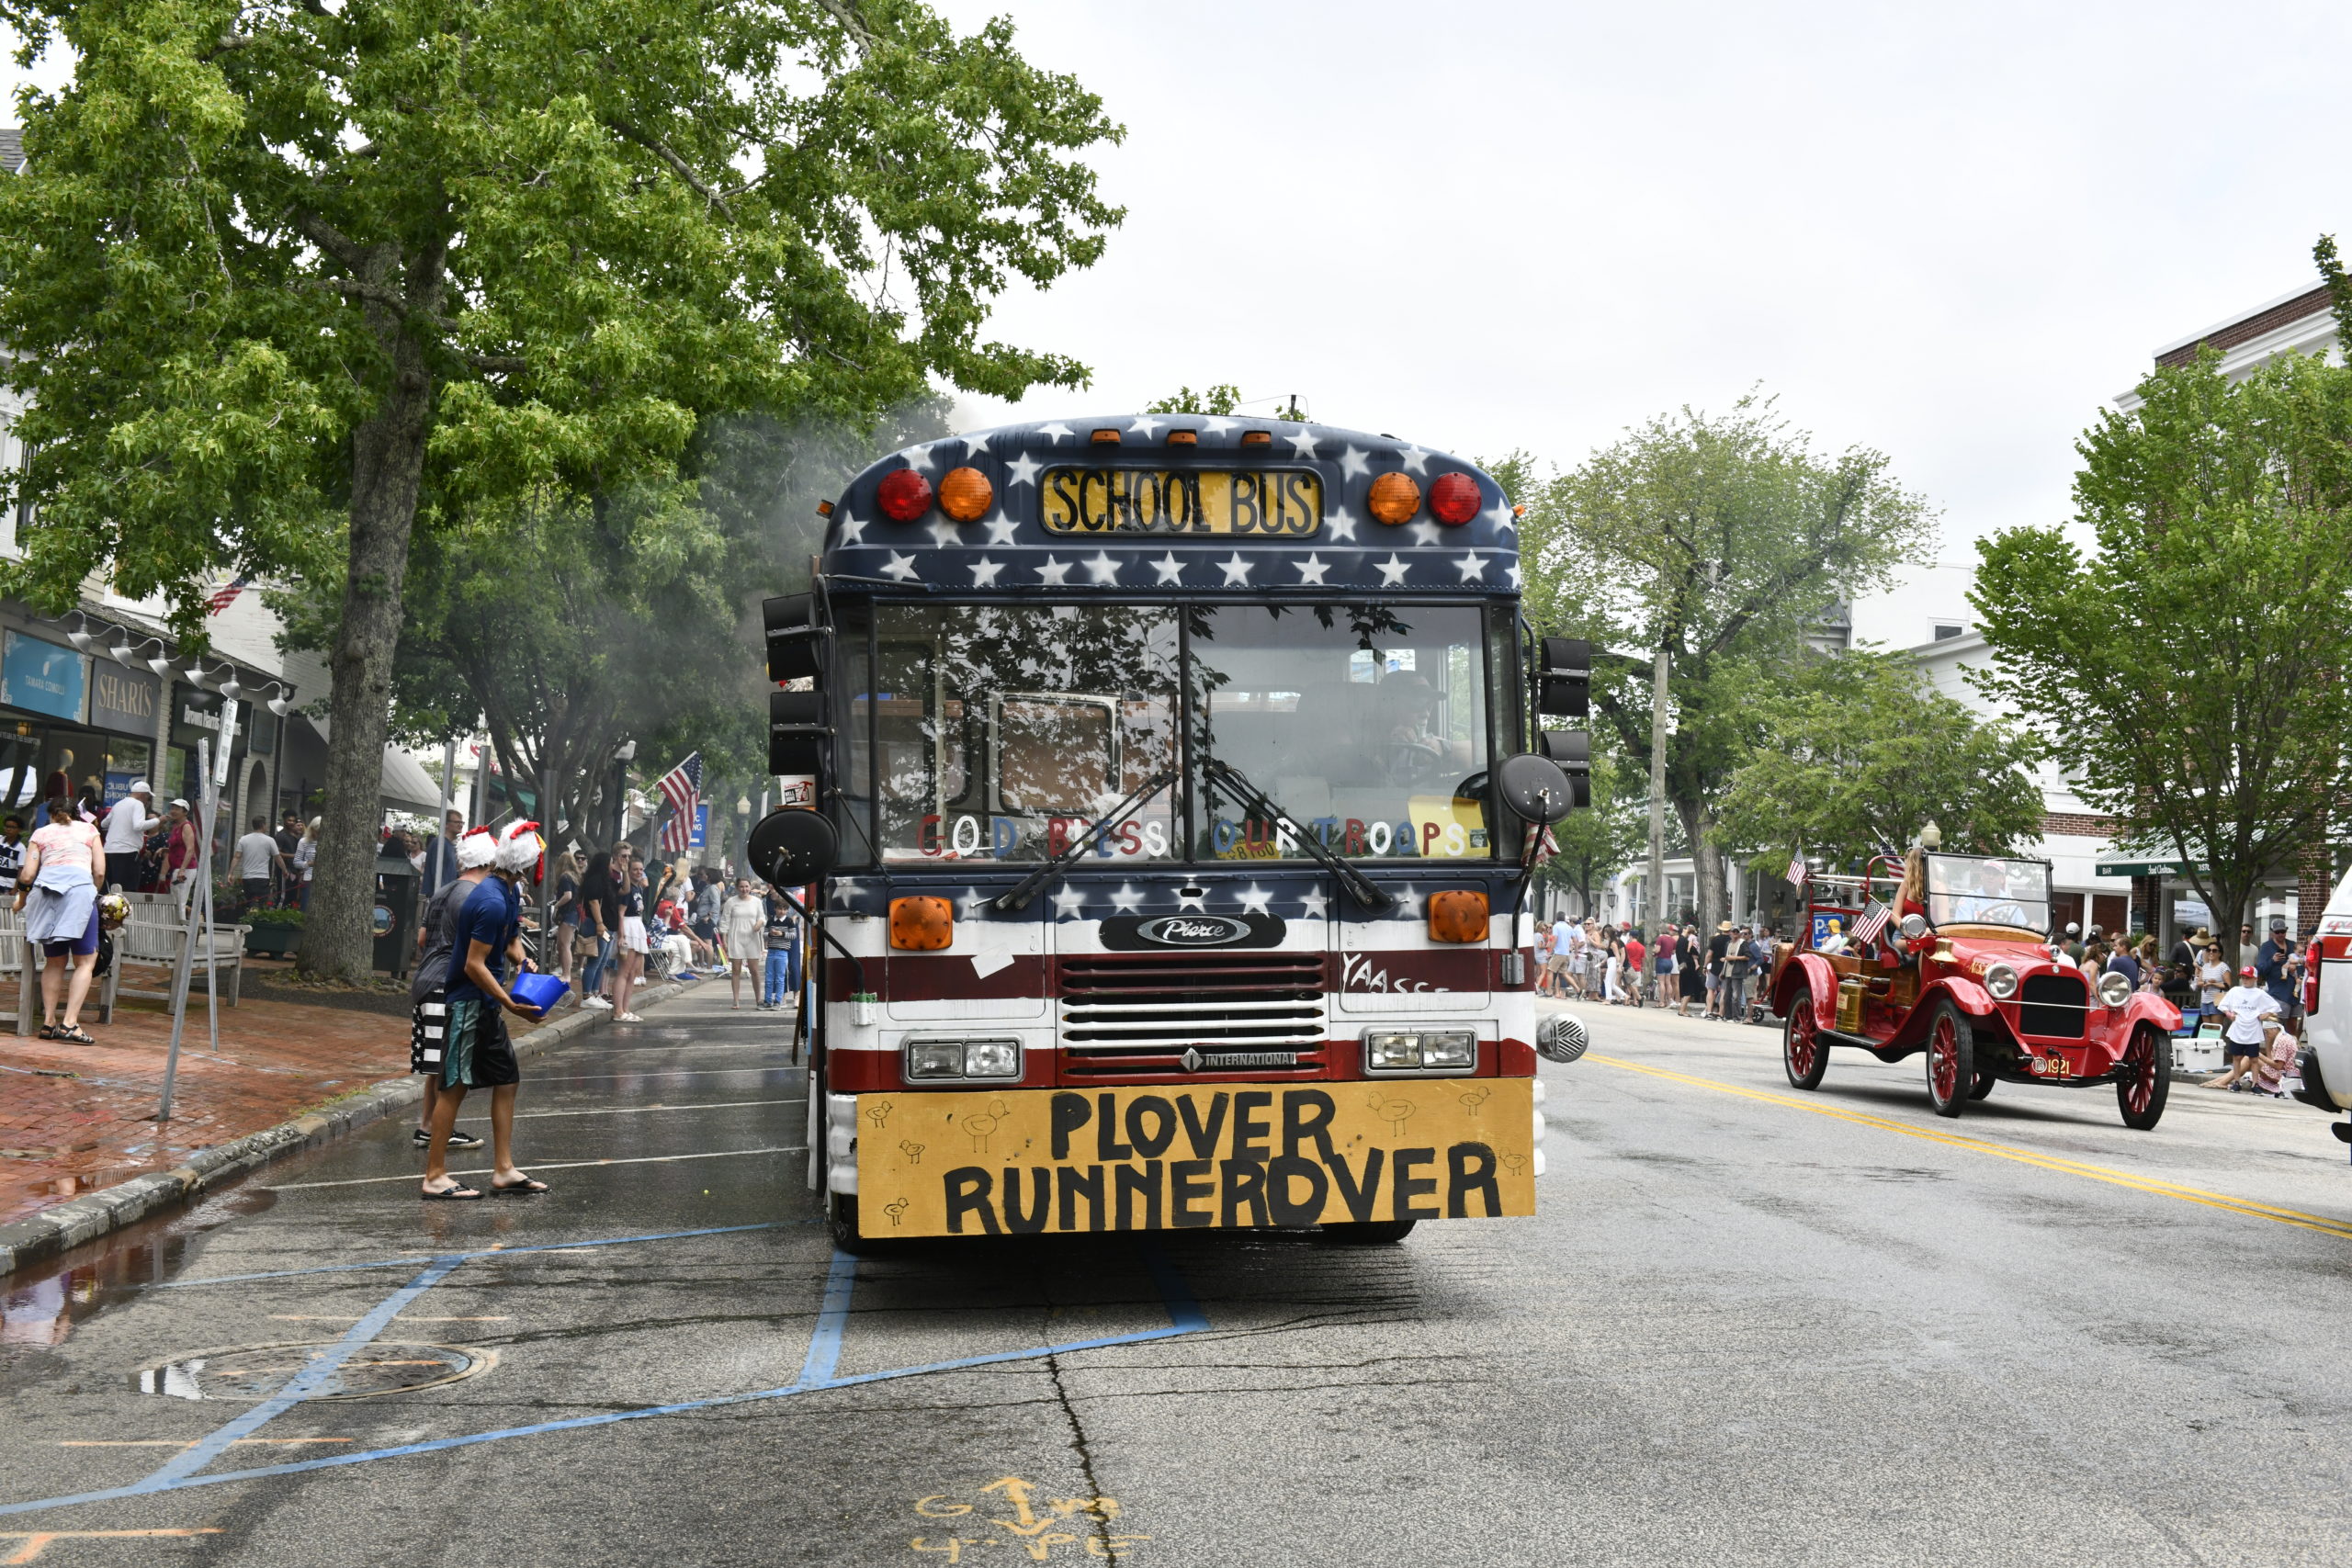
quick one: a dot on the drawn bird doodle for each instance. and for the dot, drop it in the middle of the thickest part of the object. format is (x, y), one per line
(1475, 1099)
(1393, 1111)
(897, 1209)
(878, 1112)
(912, 1150)
(1514, 1163)
(980, 1123)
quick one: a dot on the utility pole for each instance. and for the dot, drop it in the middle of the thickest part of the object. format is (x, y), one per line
(1657, 791)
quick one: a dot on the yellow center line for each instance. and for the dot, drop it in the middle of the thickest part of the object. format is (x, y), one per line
(2246, 1206)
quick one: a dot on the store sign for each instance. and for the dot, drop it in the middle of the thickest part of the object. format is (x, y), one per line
(122, 701)
(41, 677)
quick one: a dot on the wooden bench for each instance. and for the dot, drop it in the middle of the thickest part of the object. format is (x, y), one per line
(152, 936)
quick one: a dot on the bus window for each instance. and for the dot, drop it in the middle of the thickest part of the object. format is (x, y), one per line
(1363, 722)
(1005, 730)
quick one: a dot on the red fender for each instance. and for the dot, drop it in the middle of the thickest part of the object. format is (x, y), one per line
(1967, 994)
(2148, 1007)
(1812, 971)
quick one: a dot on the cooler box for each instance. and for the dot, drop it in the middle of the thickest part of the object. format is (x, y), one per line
(539, 990)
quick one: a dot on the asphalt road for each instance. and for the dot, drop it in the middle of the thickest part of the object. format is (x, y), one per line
(1749, 1325)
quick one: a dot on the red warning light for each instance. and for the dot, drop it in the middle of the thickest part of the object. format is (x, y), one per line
(1454, 499)
(903, 496)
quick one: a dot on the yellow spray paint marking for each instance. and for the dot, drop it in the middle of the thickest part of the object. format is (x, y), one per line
(1040, 1527)
(36, 1542)
(2245, 1206)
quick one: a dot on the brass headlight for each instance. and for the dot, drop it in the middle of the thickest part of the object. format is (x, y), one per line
(2114, 989)
(2001, 982)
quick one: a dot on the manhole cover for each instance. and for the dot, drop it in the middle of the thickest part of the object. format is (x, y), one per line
(257, 1372)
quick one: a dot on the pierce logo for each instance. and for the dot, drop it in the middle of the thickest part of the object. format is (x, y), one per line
(1193, 930)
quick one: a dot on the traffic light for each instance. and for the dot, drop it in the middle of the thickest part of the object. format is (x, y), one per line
(1563, 687)
(800, 732)
(795, 639)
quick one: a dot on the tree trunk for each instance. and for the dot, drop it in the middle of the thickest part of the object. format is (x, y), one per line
(388, 468)
(1706, 863)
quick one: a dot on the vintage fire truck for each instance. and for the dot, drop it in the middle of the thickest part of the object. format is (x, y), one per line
(1173, 807)
(1961, 967)
(2324, 1060)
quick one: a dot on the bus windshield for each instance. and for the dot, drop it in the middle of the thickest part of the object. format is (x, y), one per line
(1001, 732)
(1969, 890)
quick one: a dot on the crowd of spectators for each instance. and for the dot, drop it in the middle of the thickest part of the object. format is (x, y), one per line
(1676, 967)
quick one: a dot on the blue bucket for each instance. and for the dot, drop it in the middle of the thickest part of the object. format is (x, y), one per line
(539, 990)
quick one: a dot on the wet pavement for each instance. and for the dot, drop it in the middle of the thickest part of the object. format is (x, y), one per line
(1747, 1327)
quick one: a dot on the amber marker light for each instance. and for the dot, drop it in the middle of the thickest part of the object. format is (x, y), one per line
(1394, 499)
(921, 925)
(1183, 438)
(824, 509)
(965, 494)
(904, 495)
(1457, 915)
(1106, 438)
(1454, 499)
(1257, 438)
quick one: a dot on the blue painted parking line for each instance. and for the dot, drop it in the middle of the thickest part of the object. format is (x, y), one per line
(825, 1343)
(1184, 1314)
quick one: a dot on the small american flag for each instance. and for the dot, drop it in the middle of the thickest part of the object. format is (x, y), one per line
(1796, 868)
(1874, 922)
(227, 593)
(682, 787)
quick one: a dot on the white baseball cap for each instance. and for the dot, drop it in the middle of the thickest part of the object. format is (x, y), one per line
(141, 788)
(181, 804)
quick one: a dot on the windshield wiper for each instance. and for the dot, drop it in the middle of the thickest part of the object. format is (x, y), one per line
(1018, 898)
(1359, 886)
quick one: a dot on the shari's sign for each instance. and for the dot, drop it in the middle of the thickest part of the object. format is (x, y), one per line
(122, 701)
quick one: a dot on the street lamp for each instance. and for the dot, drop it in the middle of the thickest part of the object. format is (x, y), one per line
(622, 754)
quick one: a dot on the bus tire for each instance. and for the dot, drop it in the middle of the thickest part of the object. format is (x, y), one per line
(1377, 1233)
(840, 1219)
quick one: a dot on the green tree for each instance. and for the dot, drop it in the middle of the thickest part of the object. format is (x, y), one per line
(2193, 663)
(1221, 399)
(1719, 541)
(1597, 844)
(281, 279)
(1863, 753)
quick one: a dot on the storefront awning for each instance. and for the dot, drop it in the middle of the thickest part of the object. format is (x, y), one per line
(2147, 865)
(408, 788)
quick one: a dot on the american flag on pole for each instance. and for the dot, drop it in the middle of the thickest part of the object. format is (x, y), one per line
(1796, 868)
(227, 593)
(1867, 929)
(682, 787)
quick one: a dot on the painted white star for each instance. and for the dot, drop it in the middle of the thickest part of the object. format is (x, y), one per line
(1070, 901)
(1473, 569)
(1312, 568)
(1187, 899)
(1513, 575)
(1502, 517)
(1237, 570)
(919, 457)
(975, 444)
(1053, 432)
(1022, 471)
(1413, 458)
(1145, 426)
(1054, 571)
(1170, 569)
(1217, 424)
(1126, 900)
(1352, 464)
(1302, 443)
(970, 905)
(1253, 899)
(901, 567)
(1102, 568)
(853, 531)
(984, 573)
(945, 534)
(1426, 532)
(1001, 531)
(1344, 523)
(1314, 903)
(1392, 571)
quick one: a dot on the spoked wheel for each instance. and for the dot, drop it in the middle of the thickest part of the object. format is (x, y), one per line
(1951, 1059)
(2147, 1077)
(1985, 1082)
(1802, 1055)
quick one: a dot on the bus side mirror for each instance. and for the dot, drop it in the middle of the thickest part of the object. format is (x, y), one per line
(1534, 788)
(797, 641)
(791, 847)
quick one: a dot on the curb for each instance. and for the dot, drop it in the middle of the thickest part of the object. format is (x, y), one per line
(49, 1232)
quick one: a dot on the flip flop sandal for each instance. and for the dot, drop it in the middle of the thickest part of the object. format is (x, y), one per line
(458, 1194)
(49, 1032)
(526, 1187)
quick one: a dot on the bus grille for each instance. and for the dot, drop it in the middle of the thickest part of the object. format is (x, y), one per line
(1136, 1016)
(2051, 1005)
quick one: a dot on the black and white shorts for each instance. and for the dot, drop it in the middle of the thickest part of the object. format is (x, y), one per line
(428, 1022)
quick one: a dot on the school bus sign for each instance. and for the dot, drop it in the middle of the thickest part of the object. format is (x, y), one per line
(1030, 1161)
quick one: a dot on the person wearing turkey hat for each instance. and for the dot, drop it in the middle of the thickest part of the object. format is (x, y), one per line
(476, 1050)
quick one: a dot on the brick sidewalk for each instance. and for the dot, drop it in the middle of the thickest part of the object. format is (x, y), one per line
(75, 1118)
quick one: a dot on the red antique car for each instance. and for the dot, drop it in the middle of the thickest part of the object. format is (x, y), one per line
(1964, 970)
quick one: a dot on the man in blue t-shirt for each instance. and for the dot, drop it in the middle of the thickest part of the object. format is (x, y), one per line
(476, 1052)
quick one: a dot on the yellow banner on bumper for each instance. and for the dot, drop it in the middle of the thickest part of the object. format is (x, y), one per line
(1027, 1161)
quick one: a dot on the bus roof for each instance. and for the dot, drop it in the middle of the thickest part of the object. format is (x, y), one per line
(1123, 505)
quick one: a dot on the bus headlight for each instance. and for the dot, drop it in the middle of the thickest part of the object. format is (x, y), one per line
(935, 1059)
(2000, 982)
(1420, 1051)
(2114, 989)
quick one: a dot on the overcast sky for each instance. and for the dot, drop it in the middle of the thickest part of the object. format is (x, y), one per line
(1947, 232)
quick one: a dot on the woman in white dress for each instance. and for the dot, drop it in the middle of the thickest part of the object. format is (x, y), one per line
(742, 932)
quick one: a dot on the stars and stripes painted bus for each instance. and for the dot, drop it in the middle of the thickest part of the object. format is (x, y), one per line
(1165, 791)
